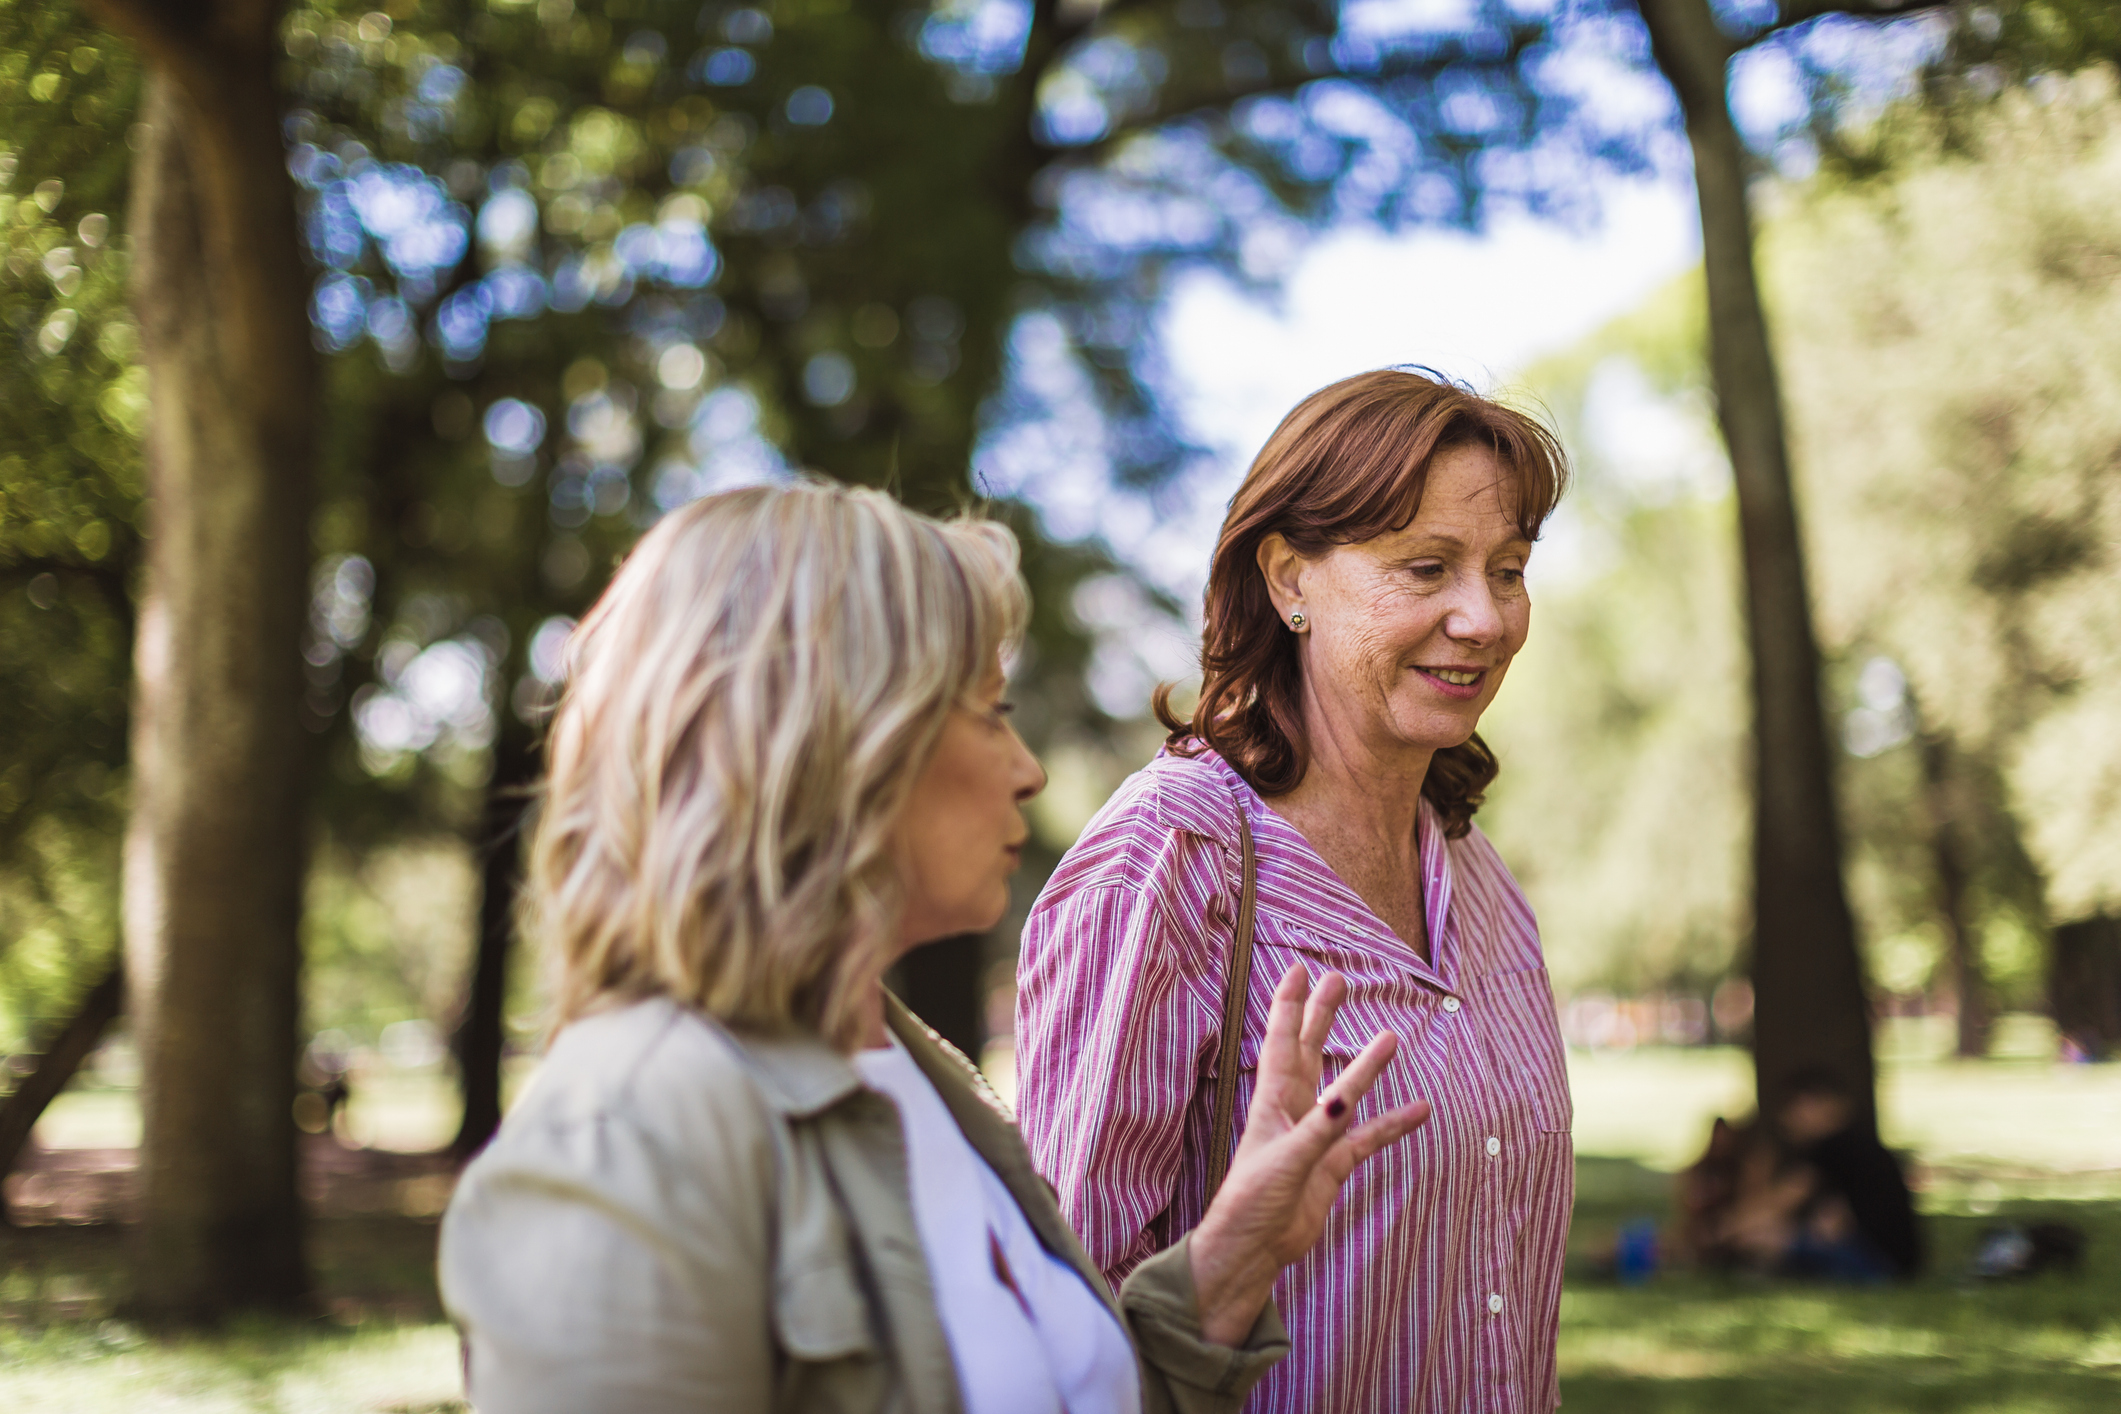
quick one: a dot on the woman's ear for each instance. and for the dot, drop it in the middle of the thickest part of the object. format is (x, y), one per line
(1283, 570)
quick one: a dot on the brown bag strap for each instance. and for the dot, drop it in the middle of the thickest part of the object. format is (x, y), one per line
(1237, 977)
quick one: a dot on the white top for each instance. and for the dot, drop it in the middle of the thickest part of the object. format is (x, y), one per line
(1027, 1336)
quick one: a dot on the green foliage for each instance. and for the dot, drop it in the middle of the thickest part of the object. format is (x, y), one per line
(1970, 534)
(1947, 330)
(387, 936)
(1621, 803)
(71, 402)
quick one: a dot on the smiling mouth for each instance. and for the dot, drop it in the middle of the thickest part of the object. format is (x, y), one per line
(1456, 677)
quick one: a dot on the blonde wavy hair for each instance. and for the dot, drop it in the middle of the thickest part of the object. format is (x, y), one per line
(745, 712)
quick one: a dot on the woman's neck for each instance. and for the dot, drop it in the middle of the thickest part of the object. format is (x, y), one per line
(1360, 810)
(1369, 788)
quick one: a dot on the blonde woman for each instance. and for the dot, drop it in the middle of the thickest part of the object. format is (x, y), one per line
(745, 1177)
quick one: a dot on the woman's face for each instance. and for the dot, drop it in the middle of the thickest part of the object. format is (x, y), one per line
(963, 832)
(1407, 636)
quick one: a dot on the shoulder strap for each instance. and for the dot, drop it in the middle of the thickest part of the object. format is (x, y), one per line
(1237, 977)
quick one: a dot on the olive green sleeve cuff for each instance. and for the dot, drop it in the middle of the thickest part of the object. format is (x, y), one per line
(1181, 1371)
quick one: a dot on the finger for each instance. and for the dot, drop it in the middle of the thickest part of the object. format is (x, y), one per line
(1302, 1088)
(1372, 1135)
(1313, 1137)
(1354, 1082)
(1279, 1057)
(1319, 1012)
(1334, 1114)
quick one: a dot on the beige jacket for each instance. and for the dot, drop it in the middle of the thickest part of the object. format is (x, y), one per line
(677, 1218)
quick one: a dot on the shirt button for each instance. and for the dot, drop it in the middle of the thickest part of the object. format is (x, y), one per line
(1450, 1003)
(1494, 1145)
(1495, 1303)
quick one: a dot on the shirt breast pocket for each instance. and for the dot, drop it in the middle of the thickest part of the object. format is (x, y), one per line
(1522, 1040)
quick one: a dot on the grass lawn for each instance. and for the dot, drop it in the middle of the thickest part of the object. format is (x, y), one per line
(1997, 1141)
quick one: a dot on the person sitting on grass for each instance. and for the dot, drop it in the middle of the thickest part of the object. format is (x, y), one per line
(1817, 1196)
(1857, 1221)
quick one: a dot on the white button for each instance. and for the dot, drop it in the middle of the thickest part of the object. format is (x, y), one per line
(1494, 1145)
(1495, 1304)
(1450, 1003)
(1355, 928)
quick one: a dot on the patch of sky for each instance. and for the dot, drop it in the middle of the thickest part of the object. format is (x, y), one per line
(441, 84)
(603, 426)
(437, 696)
(727, 451)
(513, 427)
(1365, 22)
(977, 36)
(338, 310)
(724, 68)
(508, 225)
(548, 649)
(675, 251)
(809, 107)
(410, 215)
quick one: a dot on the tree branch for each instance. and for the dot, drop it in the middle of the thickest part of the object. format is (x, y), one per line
(62, 1056)
(1792, 13)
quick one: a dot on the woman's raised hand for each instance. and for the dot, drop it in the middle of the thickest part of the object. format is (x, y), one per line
(1298, 1148)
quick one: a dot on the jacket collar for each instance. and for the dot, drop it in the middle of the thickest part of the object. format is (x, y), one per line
(802, 1076)
(796, 1071)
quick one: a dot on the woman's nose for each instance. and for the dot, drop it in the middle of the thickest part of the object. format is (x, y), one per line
(1474, 615)
(1030, 775)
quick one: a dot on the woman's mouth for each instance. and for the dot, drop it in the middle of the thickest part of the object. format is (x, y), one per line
(1462, 683)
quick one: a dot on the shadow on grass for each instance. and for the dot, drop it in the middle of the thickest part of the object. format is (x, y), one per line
(1730, 1345)
(1856, 1393)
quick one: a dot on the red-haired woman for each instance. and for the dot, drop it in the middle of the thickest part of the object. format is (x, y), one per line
(1366, 598)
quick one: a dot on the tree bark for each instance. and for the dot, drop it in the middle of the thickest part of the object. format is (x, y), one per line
(215, 849)
(2084, 984)
(1810, 1011)
(944, 979)
(1944, 796)
(57, 1063)
(482, 1032)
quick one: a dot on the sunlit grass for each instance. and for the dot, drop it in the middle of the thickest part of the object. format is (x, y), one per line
(266, 1366)
(1683, 1342)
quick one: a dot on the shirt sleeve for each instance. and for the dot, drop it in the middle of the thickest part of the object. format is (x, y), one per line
(1112, 1030)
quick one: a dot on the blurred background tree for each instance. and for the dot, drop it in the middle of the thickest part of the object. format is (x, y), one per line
(1942, 290)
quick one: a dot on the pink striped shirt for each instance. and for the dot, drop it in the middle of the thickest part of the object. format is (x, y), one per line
(1437, 1286)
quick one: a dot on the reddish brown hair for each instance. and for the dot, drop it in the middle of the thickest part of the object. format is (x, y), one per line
(1348, 464)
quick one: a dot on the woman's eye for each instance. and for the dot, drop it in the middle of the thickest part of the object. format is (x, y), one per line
(1003, 709)
(1430, 571)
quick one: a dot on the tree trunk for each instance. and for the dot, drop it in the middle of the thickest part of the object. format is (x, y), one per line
(1810, 1012)
(60, 1058)
(1944, 796)
(481, 1033)
(215, 849)
(940, 983)
(2084, 985)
